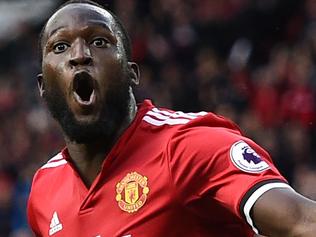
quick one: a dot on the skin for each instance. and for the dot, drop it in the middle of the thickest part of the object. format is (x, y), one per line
(284, 212)
(82, 37)
(72, 42)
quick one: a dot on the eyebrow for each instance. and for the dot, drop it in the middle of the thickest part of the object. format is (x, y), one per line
(54, 31)
(100, 23)
(91, 22)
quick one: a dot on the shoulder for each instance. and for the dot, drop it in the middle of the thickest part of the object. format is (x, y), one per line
(166, 118)
(208, 133)
(47, 179)
(50, 169)
(55, 161)
(196, 130)
(219, 147)
(215, 143)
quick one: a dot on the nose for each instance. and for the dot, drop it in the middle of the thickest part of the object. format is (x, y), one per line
(80, 54)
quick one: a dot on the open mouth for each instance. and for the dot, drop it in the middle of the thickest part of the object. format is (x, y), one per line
(84, 88)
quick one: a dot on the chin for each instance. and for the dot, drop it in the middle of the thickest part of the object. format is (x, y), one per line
(89, 128)
(86, 119)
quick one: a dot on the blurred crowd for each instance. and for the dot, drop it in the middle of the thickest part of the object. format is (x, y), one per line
(253, 61)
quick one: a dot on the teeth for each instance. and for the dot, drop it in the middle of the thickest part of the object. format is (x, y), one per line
(85, 102)
(83, 87)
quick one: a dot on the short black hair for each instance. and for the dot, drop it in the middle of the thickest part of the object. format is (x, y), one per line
(124, 35)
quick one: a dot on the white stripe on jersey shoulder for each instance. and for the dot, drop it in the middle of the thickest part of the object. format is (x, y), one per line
(57, 160)
(156, 122)
(58, 156)
(255, 196)
(160, 117)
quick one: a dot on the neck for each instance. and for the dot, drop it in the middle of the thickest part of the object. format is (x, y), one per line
(88, 157)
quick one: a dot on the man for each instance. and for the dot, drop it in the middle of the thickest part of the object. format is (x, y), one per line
(144, 171)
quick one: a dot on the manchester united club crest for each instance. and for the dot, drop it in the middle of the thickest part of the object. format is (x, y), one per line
(132, 192)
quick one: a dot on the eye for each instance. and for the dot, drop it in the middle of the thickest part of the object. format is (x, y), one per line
(100, 43)
(60, 47)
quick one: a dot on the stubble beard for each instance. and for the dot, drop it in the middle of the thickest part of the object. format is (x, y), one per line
(115, 110)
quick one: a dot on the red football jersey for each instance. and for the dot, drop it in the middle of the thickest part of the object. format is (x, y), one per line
(169, 174)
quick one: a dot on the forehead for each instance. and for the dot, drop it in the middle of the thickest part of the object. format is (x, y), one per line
(78, 15)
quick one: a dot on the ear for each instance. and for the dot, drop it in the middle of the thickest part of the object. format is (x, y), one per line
(133, 72)
(40, 84)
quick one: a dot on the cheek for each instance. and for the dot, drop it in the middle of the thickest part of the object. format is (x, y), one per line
(54, 70)
(54, 73)
(110, 70)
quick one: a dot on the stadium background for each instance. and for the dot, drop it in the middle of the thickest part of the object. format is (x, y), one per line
(250, 60)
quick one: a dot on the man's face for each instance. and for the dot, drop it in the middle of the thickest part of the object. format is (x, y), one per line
(85, 73)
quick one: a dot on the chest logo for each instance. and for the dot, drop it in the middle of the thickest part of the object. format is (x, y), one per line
(132, 192)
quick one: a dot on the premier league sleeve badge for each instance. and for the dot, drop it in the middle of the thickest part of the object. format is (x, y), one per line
(246, 159)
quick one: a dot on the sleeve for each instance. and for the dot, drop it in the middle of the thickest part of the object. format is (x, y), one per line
(221, 164)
